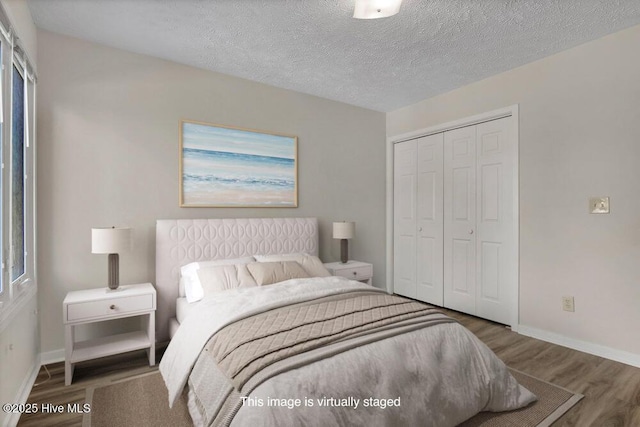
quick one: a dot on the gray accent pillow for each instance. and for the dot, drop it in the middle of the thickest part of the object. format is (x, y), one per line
(310, 263)
(267, 273)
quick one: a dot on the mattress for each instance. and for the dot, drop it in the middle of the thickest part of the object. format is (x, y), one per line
(183, 308)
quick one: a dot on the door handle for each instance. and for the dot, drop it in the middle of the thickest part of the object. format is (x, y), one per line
(471, 231)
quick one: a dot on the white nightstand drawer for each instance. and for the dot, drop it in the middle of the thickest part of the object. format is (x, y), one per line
(106, 307)
(355, 273)
(354, 270)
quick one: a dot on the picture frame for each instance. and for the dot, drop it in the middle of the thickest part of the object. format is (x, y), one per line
(224, 166)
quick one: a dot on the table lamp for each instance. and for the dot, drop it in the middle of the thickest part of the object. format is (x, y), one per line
(344, 231)
(112, 241)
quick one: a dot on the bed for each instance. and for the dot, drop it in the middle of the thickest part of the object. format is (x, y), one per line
(312, 349)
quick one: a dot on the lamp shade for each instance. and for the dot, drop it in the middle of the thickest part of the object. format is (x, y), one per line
(110, 240)
(372, 9)
(344, 230)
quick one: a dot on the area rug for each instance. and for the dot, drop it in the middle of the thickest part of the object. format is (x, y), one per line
(142, 401)
(553, 402)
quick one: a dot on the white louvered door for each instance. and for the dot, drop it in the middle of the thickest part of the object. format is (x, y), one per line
(404, 219)
(429, 219)
(497, 247)
(460, 219)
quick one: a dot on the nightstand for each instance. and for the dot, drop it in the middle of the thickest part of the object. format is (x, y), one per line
(355, 270)
(99, 305)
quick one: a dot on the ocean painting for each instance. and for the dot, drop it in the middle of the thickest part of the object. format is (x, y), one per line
(227, 167)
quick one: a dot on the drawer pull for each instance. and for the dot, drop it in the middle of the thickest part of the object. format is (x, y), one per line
(355, 273)
(112, 306)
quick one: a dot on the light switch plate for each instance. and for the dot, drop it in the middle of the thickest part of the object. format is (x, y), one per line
(599, 205)
(568, 304)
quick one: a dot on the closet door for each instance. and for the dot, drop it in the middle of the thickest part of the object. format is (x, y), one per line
(497, 276)
(460, 219)
(429, 219)
(404, 218)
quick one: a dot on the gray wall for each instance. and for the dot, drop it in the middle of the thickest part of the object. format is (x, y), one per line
(108, 155)
(579, 137)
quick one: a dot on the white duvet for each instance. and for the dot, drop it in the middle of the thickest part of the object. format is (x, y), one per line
(435, 376)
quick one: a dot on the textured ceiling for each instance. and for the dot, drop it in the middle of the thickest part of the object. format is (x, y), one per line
(316, 47)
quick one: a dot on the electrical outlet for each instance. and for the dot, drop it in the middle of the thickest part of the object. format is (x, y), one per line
(599, 205)
(568, 304)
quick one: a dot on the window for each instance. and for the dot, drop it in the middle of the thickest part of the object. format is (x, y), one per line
(17, 192)
(1, 183)
(17, 250)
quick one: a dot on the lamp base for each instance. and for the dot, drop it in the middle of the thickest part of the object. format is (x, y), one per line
(114, 281)
(344, 251)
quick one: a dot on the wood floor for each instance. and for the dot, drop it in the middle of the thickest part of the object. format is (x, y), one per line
(611, 389)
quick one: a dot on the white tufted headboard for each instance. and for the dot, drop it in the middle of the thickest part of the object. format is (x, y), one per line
(181, 241)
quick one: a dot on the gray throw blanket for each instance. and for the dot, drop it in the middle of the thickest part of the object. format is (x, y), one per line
(249, 345)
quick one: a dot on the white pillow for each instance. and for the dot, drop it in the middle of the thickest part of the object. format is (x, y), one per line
(267, 273)
(191, 282)
(222, 277)
(181, 287)
(310, 263)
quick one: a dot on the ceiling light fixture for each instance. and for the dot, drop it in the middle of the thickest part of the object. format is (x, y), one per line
(372, 9)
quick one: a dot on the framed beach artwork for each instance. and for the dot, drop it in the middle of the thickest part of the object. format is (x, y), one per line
(222, 166)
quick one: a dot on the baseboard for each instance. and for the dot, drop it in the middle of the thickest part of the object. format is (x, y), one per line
(25, 390)
(584, 346)
(53, 356)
